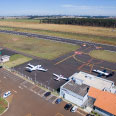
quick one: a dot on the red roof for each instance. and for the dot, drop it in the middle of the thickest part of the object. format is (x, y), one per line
(104, 100)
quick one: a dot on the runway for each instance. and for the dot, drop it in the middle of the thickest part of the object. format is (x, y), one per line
(68, 40)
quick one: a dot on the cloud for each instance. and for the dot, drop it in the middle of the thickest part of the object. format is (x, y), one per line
(85, 7)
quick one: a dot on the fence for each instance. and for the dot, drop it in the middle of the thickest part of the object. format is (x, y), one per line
(30, 79)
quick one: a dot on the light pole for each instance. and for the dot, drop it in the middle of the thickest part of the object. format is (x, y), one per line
(35, 76)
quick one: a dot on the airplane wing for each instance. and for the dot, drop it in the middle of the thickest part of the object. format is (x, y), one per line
(57, 79)
(56, 75)
(32, 66)
(42, 69)
(29, 69)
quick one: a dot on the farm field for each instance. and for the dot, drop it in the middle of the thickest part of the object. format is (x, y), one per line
(85, 33)
(45, 49)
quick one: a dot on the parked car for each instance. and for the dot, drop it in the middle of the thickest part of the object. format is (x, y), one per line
(74, 109)
(47, 94)
(1, 66)
(58, 101)
(7, 94)
(67, 106)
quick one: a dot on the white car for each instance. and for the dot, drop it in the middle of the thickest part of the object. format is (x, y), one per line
(7, 94)
(74, 109)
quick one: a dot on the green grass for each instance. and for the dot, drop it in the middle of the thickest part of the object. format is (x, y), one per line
(45, 49)
(104, 55)
(83, 37)
(16, 60)
(3, 105)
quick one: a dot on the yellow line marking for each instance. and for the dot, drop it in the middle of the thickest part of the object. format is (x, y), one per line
(78, 59)
(59, 114)
(64, 59)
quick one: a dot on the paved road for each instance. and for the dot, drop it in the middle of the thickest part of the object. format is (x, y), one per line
(71, 41)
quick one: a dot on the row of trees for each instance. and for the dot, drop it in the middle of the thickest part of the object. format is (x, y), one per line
(82, 21)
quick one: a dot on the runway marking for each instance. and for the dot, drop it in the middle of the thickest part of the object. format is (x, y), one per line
(91, 67)
(20, 87)
(64, 59)
(59, 114)
(85, 64)
(78, 59)
(87, 48)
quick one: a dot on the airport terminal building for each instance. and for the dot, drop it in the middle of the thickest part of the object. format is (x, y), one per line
(77, 90)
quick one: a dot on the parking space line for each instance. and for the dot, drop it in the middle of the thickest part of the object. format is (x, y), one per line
(59, 114)
(20, 87)
(14, 91)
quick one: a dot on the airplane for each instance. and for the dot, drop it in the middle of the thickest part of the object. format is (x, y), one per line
(31, 68)
(58, 77)
(103, 73)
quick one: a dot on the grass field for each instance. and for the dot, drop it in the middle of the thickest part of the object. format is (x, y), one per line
(84, 37)
(61, 28)
(22, 20)
(3, 105)
(104, 55)
(16, 60)
(37, 47)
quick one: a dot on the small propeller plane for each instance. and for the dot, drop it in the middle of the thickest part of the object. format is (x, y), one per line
(31, 68)
(103, 73)
(58, 77)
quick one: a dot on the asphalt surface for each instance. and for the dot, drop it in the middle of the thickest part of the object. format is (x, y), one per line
(28, 100)
(71, 41)
(67, 64)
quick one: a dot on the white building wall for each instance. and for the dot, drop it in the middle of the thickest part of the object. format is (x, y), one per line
(72, 97)
(102, 112)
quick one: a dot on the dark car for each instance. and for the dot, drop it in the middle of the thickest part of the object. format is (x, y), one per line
(67, 106)
(1, 66)
(58, 101)
(47, 94)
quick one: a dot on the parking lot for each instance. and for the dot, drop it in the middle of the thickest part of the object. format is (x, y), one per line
(27, 96)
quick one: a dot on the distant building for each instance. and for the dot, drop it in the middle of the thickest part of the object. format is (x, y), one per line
(105, 102)
(4, 58)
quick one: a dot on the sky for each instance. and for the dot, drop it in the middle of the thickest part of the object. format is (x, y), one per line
(58, 7)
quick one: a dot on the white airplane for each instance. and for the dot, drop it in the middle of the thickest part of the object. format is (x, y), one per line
(101, 73)
(31, 68)
(59, 77)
